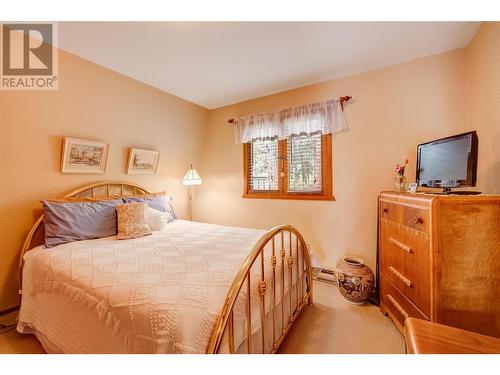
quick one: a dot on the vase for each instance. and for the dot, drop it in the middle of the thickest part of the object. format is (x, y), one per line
(399, 183)
(355, 280)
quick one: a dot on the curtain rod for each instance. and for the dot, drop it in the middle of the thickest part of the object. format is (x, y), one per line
(343, 99)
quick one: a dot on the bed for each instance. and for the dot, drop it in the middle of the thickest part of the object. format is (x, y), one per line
(190, 288)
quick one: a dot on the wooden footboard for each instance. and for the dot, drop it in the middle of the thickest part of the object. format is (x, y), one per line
(280, 258)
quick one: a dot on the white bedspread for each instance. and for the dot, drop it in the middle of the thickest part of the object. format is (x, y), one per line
(156, 294)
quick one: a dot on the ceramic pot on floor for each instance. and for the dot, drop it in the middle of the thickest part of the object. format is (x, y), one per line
(355, 280)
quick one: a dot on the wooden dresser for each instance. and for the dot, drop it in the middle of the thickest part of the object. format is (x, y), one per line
(439, 259)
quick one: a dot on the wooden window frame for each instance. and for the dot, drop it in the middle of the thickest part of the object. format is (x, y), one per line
(326, 194)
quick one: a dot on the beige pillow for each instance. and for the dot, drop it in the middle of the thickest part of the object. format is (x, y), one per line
(132, 220)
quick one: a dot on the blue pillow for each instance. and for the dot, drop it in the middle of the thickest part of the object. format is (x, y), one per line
(159, 202)
(75, 221)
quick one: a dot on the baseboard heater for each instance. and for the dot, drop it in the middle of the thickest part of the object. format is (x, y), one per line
(326, 275)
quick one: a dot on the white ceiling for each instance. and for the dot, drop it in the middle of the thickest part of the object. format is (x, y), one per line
(214, 64)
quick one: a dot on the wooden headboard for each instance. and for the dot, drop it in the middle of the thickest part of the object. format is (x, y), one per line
(36, 235)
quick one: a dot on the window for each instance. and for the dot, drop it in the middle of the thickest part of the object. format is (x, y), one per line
(304, 163)
(264, 165)
(288, 152)
(298, 167)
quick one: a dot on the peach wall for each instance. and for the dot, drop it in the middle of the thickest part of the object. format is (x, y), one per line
(484, 103)
(393, 110)
(95, 103)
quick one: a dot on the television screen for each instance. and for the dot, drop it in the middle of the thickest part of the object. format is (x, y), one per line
(448, 162)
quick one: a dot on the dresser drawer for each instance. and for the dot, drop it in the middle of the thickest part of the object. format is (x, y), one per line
(396, 304)
(404, 260)
(407, 245)
(416, 218)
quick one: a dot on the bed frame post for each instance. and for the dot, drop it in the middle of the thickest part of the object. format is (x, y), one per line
(258, 288)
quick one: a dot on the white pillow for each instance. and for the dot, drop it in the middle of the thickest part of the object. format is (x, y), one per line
(157, 220)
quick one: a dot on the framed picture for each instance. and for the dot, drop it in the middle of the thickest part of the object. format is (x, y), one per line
(142, 161)
(412, 188)
(83, 156)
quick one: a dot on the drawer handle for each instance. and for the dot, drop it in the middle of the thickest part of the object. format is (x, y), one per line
(418, 220)
(400, 276)
(386, 210)
(402, 246)
(397, 306)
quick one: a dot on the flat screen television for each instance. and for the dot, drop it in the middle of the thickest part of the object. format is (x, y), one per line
(448, 163)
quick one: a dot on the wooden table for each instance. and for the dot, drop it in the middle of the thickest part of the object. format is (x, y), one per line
(424, 337)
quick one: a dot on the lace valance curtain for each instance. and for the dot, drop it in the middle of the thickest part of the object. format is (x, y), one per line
(325, 117)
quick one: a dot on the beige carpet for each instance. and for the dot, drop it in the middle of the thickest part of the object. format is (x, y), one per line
(333, 325)
(330, 326)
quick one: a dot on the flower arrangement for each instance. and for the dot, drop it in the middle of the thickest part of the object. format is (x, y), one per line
(400, 169)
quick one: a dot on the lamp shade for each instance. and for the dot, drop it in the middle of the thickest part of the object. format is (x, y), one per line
(192, 177)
